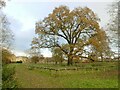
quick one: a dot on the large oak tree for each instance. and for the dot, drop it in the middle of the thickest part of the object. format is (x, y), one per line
(70, 30)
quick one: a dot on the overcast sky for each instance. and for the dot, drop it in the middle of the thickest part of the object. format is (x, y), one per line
(23, 14)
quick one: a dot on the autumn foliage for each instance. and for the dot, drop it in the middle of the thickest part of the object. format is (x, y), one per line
(71, 31)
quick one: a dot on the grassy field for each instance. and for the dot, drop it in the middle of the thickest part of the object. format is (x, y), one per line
(105, 76)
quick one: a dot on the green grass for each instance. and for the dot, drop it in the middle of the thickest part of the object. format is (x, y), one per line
(83, 78)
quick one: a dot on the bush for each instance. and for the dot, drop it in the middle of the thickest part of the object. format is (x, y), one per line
(7, 77)
(6, 56)
(7, 72)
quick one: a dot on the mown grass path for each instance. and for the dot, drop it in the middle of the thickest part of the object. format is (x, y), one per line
(65, 79)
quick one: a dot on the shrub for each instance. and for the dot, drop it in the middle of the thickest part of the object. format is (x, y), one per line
(7, 72)
(6, 56)
(7, 77)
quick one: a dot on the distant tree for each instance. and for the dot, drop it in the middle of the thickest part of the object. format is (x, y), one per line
(34, 53)
(6, 56)
(57, 55)
(69, 30)
(34, 59)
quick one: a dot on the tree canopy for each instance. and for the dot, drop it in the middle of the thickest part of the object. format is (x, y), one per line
(113, 25)
(71, 31)
(6, 34)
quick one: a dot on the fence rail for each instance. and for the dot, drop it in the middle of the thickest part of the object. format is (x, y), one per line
(76, 68)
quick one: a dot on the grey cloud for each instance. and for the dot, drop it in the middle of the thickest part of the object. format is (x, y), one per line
(23, 39)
